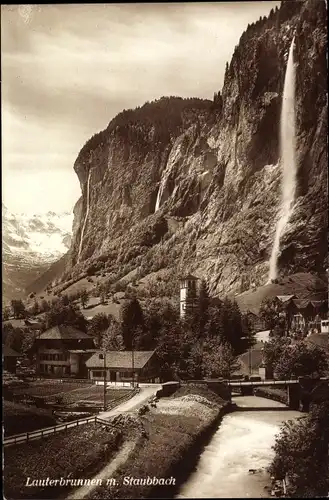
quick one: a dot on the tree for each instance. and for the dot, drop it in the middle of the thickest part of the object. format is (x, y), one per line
(65, 300)
(6, 313)
(84, 297)
(272, 353)
(45, 305)
(219, 360)
(214, 325)
(301, 359)
(132, 319)
(203, 306)
(65, 315)
(112, 338)
(98, 325)
(248, 333)
(18, 308)
(35, 308)
(12, 337)
(301, 454)
(170, 352)
(195, 365)
(102, 294)
(273, 314)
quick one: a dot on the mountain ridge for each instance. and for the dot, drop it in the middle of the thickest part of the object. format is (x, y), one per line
(31, 243)
(204, 196)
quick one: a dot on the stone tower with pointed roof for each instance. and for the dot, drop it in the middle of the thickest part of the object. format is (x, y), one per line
(188, 294)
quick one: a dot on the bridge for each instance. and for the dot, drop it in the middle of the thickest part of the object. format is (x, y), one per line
(257, 383)
(300, 392)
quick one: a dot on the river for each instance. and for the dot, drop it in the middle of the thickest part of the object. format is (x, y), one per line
(242, 441)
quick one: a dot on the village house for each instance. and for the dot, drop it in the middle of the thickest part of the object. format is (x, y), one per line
(301, 315)
(123, 366)
(62, 351)
(10, 358)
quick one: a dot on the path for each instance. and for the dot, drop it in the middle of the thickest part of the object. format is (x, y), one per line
(106, 473)
(133, 403)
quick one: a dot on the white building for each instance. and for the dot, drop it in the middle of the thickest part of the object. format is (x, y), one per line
(188, 294)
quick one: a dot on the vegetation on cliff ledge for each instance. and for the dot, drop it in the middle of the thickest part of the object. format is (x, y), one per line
(154, 122)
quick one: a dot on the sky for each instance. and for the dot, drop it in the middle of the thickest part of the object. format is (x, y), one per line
(67, 70)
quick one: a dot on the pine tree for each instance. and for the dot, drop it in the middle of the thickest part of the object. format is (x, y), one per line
(35, 308)
(18, 308)
(132, 319)
(84, 297)
(98, 325)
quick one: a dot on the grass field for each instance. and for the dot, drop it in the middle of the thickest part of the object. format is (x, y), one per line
(109, 308)
(50, 388)
(70, 392)
(94, 393)
(81, 451)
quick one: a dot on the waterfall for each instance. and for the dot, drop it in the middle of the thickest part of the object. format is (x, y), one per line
(86, 216)
(288, 160)
(160, 191)
(162, 186)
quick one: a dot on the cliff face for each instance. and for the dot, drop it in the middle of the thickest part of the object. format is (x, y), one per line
(196, 185)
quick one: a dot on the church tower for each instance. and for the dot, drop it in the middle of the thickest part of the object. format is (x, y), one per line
(188, 294)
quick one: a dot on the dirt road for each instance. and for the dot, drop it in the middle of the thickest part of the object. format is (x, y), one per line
(134, 403)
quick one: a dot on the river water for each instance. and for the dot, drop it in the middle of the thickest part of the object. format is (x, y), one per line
(242, 441)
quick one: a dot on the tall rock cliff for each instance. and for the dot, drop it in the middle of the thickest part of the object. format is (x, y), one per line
(195, 185)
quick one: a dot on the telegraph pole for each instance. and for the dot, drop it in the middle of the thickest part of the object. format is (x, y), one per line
(132, 361)
(104, 373)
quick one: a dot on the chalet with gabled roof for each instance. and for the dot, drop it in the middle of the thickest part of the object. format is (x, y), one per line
(62, 351)
(123, 366)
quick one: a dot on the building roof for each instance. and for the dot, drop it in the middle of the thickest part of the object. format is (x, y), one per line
(82, 351)
(189, 277)
(301, 303)
(318, 303)
(120, 359)
(63, 332)
(285, 298)
(32, 322)
(8, 352)
(263, 336)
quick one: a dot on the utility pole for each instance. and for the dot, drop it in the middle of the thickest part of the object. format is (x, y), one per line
(132, 361)
(104, 373)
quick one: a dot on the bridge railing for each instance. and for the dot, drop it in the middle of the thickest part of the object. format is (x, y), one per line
(255, 383)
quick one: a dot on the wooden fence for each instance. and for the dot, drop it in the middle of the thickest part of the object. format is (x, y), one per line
(40, 433)
(47, 431)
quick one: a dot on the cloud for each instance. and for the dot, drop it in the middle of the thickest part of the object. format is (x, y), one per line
(67, 70)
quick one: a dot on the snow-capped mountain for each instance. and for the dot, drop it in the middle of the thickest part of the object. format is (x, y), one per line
(30, 244)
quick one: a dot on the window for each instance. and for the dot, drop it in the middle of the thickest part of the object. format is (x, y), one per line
(98, 373)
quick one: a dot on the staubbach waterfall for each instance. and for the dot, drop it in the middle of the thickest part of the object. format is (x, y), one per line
(288, 160)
